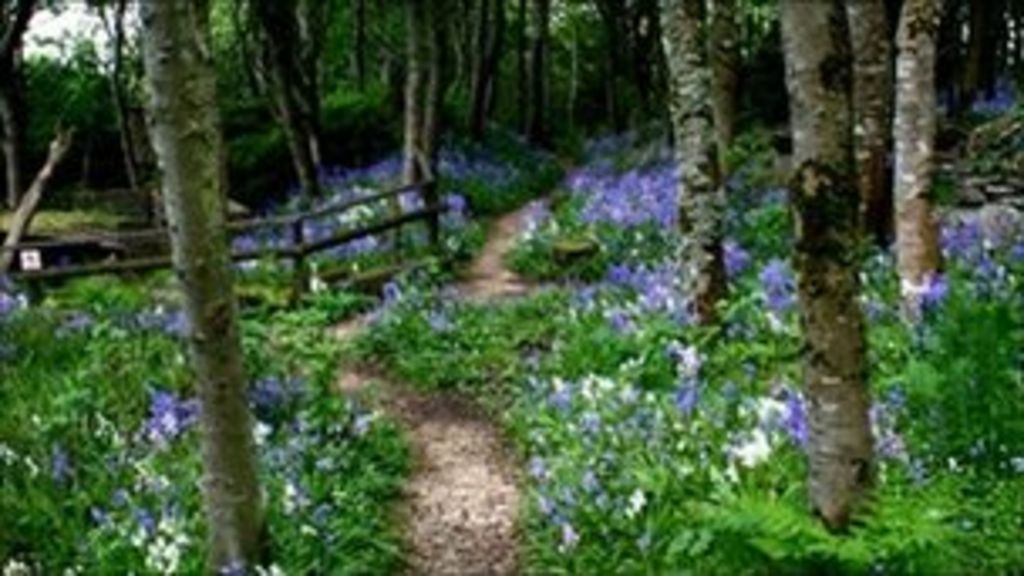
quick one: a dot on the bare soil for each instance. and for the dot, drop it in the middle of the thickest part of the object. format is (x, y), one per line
(461, 504)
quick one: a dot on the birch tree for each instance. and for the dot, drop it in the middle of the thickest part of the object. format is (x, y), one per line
(825, 204)
(701, 198)
(917, 245)
(186, 137)
(725, 69)
(872, 90)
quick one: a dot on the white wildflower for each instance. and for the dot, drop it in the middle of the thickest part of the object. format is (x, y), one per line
(636, 503)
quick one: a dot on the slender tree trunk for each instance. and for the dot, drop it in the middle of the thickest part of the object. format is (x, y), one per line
(980, 21)
(187, 139)
(701, 197)
(917, 245)
(359, 43)
(537, 125)
(416, 53)
(522, 86)
(291, 87)
(12, 116)
(115, 29)
(612, 13)
(487, 55)
(478, 85)
(574, 78)
(826, 202)
(496, 50)
(434, 97)
(725, 75)
(872, 88)
(14, 23)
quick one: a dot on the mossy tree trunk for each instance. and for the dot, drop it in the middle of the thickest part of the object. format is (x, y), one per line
(917, 237)
(825, 204)
(725, 70)
(186, 137)
(701, 197)
(872, 92)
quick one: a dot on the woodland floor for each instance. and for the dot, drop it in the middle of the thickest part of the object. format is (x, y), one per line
(460, 507)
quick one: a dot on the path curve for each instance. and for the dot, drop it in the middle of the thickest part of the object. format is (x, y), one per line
(461, 503)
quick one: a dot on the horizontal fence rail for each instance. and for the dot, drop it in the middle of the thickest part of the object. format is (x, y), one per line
(298, 250)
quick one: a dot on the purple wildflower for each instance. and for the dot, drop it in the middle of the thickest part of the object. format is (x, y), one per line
(795, 419)
(737, 260)
(778, 285)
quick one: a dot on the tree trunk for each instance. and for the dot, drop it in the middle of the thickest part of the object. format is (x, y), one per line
(14, 23)
(826, 203)
(26, 210)
(115, 29)
(12, 116)
(496, 50)
(291, 86)
(434, 97)
(537, 131)
(701, 197)
(487, 54)
(187, 139)
(522, 82)
(612, 13)
(872, 80)
(917, 245)
(416, 54)
(980, 21)
(359, 43)
(725, 75)
(478, 84)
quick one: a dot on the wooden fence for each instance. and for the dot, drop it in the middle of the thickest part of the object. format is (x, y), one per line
(298, 250)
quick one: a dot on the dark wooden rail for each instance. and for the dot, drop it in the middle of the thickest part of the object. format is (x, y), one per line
(298, 251)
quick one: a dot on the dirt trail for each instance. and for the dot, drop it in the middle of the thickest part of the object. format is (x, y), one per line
(488, 277)
(461, 503)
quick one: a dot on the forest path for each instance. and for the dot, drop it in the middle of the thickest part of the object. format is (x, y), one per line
(460, 506)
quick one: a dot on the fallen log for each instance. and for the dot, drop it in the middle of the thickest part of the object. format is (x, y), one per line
(22, 218)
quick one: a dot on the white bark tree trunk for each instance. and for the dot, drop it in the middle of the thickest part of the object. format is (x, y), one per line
(917, 245)
(825, 205)
(701, 198)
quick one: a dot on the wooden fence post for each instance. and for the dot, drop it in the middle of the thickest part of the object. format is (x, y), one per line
(431, 200)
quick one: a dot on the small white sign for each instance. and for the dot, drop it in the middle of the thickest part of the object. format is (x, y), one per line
(31, 260)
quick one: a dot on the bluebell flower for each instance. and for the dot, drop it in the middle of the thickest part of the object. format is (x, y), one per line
(392, 293)
(169, 417)
(687, 397)
(538, 469)
(795, 419)
(590, 423)
(935, 291)
(60, 465)
(737, 260)
(439, 321)
(569, 537)
(778, 285)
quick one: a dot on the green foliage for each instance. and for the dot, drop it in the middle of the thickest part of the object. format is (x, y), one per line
(508, 173)
(88, 485)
